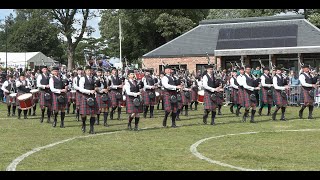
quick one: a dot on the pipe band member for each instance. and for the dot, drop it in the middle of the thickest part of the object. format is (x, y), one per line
(45, 93)
(9, 87)
(76, 81)
(308, 85)
(169, 96)
(266, 91)
(149, 89)
(22, 88)
(279, 94)
(116, 88)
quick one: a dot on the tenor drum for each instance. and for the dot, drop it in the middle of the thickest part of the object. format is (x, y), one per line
(157, 97)
(12, 97)
(25, 101)
(139, 76)
(201, 96)
(123, 102)
(35, 93)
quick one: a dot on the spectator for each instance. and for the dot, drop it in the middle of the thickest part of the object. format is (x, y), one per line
(294, 80)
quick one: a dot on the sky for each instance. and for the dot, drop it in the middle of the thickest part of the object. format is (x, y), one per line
(93, 22)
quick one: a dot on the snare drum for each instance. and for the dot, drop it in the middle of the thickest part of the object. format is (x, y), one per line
(25, 101)
(13, 97)
(123, 102)
(201, 96)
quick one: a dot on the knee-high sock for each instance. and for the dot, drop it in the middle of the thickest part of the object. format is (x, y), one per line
(219, 108)
(136, 121)
(146, 110)
(261, 107)
(269, 108)
(213, 116)
(55, 116)
(98, 118)
(191, 105)
(196, 105)
(119, 112)
(9, 108)
(92, 121)
(14, 109)
(74, 107)
(310, 110)
(48, 113)
(84, 120)
(151, 110)
(303, 107)
(42, 113)
(173, 118)
(34, 109)
(105, 117)
(25, 112)
(206, 113)
(186, 107)
(63, 114)
(19, 112)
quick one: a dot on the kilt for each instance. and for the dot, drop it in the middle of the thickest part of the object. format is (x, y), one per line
(69, 97)
(247, 103)
(278, 99)
(146, 99)
(240, 95)
(114, 101)
(219, 99)
(78, 99)
(8, 100)
(168, 107)
(207, 101)
(266, 99)
(44, 103)
(85, 109)
(305, 98)
(234, 96)
(194, 95)
(185, 100)
(102, 104)
(130, 107)
(56, 106)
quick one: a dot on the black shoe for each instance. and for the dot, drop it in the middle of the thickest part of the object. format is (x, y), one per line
(106, 125)
(13, 114)
(164, 123)
(144, 115)
(25, 117)
(8, 114)
(259, 112)
(54, 124)
(204, 120)
(274, 116)
(300, 114)
(111, 116)
(34, 114)
(129, 126)
(73, 112)
(41, 120)
(282, 118)
(269, 114)
(48, 121)
(173, 126)
(310, 117)
(136, 128)
(244, 118)
(178, 118)
(18, 117)
(61, 125)
(231, 109)
(67, 111)
(212, 123)
(219, 113)
(237, 112)
(83, 129)
(252, 121)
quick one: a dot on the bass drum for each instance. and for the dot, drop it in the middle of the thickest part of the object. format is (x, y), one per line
(201, 96)
(25, 101)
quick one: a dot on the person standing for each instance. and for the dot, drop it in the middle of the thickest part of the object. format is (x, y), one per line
(307, 91)
(234, 90)
(88, 104)
(115, 94)
(149, 93)
(45, 93)
(169, 96)
(59, 96)
(210, 99)
(33, 85)
(76, 81)
(22, 88)
(266, 83)
(9, 87)
(279, 94)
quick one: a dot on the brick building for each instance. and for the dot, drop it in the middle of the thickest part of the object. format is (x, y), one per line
(280, 39)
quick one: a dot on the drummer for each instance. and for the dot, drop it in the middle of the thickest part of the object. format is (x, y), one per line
(33, 85)
(45, 101)
(59, 96)
(9, 87)
(22, 88)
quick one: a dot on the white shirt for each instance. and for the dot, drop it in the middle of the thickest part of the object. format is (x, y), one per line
(240, 79)
(127, 88)
(302, 79)
(4, 85)
(263, 82)
(25, 83)
(74, 82)
(245, 85)
(39, 78)
(81, 85)
(275, 83)
(232, 84)
(51, 85)
(145, 85)
(205, 84)
(165, 84)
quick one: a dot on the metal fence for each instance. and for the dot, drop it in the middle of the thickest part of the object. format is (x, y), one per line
(293, 96)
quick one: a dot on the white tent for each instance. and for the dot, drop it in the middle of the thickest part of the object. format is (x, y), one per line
(20, 59)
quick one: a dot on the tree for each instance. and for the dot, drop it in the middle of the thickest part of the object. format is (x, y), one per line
(145, 29)
(66, 21)
(241, 13)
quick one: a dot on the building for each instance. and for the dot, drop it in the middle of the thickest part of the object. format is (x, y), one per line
(21, 59)
(281, 40)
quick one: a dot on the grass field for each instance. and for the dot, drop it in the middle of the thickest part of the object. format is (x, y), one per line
(157, 148)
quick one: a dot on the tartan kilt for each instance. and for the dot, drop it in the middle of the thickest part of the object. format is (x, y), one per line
(114, 101)
(240, 96)
(207, 101)
(168, 107)
(78, 99)
(131, 108)
(44, 103)
(146, 99)
(56, 106)
(247, 103)
(305, 98)
(102, 104)
(278, 99)
(194, 95)
(8, 100)
(69, 96)
(184, 99)
(266, 99)
(234, 96)
(219, 99)
(85, 109)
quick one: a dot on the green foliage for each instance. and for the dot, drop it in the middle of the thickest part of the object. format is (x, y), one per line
(241, 13)
(145, 29)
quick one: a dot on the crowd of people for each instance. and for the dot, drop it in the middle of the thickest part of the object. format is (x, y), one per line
(97, 91)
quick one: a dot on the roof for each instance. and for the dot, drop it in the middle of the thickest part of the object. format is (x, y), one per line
(20, 58)
(205, 37)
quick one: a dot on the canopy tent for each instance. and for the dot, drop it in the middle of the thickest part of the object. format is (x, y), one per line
(20, 59)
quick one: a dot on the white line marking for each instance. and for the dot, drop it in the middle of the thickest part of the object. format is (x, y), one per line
(194, 151)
